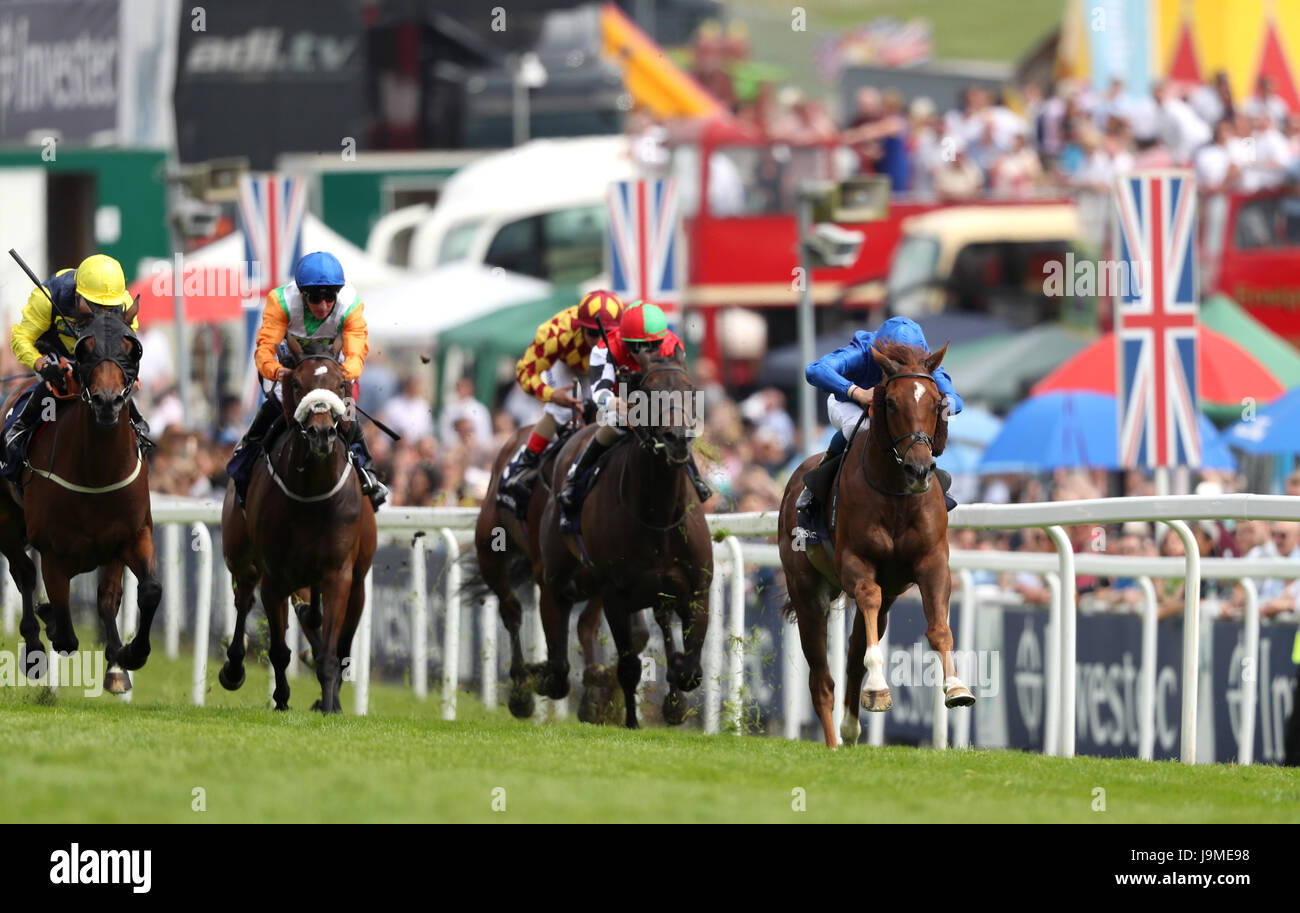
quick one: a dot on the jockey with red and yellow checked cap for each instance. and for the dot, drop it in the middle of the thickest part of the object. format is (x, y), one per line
(642, 328)
(46, 334)
(557, 357)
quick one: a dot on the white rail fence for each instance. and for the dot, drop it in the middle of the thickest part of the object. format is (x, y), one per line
(454, 526)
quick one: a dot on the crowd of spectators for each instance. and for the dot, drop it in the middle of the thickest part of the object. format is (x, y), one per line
(1016, 143)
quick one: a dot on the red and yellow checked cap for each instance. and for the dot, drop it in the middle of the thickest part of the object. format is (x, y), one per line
(643, 322)
(599, 307)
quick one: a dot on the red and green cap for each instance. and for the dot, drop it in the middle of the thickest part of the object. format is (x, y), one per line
(643, 322)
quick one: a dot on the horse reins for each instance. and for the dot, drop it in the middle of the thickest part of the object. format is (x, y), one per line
(649, 442)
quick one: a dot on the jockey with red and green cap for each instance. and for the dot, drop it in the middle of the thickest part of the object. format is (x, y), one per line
(642, 328)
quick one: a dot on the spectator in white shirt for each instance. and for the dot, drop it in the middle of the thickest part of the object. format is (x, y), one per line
(408, 413)
(465, 407)
(1180, 127)
(1266, 101)
(1216, 172)
(1286, 539)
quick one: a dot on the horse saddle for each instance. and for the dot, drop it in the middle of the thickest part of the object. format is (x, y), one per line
(586, 482)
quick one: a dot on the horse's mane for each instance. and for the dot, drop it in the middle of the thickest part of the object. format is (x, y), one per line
(903, 355)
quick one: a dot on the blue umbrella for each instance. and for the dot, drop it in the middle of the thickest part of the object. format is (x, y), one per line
(974, 425)
(1075, 429)
(1275, 428)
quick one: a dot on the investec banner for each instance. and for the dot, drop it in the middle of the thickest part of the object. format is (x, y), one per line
(59, 68)
(256, 79)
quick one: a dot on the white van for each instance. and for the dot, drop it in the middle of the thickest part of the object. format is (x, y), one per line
(538, 210)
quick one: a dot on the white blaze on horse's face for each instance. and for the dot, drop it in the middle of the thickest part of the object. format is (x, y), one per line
(317, 402)
(918, 392)
(322, 370)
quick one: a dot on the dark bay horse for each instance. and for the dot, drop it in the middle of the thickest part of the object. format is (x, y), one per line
(644, 543)
(84, 504)
(892, 532)
(507, 555)
(305, 525)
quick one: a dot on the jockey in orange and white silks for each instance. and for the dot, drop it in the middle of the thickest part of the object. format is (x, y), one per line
(317, 305)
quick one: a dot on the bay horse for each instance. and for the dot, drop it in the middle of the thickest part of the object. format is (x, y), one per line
(306, 525)
(507, 556)
(892, 532)
(643, 542)
(84, 502)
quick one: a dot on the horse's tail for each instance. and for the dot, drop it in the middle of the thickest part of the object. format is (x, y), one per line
(473, 586)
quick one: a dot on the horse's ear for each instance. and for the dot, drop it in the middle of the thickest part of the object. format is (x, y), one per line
(936, 358)
(129, 315)
(336, 346)
(294, 348)
(887, 365)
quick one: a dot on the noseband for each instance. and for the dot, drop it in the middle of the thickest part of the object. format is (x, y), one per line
(647, 439)
(912, 437)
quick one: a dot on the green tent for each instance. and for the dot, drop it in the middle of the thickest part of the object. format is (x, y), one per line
(1000, 369)
(1222, 314)
(505, 333)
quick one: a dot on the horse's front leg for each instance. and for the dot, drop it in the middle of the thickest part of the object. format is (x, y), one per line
(109, 603)
(140, 559)
(935, 584)
(554, 680)
(336, 596)
(23, 571)
(276, 603)
(57, 613)
(864, 654)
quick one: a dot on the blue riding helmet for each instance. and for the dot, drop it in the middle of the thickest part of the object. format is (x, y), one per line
(319, 268)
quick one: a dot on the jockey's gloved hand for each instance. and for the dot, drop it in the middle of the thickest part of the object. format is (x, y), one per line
(50, 370)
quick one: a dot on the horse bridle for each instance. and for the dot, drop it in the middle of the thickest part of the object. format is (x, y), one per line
(646, 439)
(913, 437)
(109, 350)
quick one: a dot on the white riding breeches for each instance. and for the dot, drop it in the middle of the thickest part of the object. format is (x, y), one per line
(559, 376)
(844, 415)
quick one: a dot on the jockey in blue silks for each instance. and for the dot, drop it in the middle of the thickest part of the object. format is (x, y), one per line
(849, 374)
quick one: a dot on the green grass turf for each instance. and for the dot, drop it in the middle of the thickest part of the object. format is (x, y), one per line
(74, 759)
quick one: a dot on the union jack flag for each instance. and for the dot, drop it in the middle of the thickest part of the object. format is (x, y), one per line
(271, 213)
(643, 242)
(1156, 320)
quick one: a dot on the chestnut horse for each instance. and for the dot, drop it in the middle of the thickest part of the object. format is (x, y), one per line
(305, 525)
(644, 543)
(892, 532)
(84, 504)
(507, 555)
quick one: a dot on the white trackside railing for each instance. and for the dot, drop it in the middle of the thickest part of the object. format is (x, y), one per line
(454, 528)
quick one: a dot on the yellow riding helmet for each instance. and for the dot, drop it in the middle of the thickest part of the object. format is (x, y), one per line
(100, 281)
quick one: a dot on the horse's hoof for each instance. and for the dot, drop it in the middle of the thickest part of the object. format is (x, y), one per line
(958, 696)
(129, 660)
(227, 680)
(117, 681)
(319, 705)
(520, 704)
(674, 708)
(877, 701)
(589, 706)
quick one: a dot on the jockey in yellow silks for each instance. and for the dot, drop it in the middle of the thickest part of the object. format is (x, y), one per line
(46, 333)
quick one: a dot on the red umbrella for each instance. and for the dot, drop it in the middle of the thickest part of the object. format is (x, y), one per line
(1227, 372)
(212, 294)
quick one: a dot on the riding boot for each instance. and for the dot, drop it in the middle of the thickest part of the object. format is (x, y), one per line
(807, 504)
(15, 441)
(141, 427)
(371, 487)
(239, 467)
(702, 489)
(945, 482)
(569, 496)
(517, 480)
